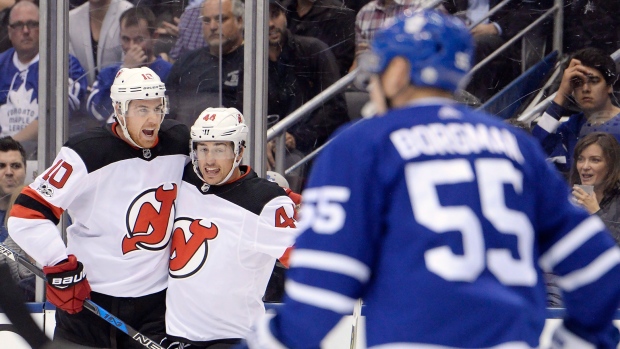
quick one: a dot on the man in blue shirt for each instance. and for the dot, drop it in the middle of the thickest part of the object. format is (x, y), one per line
(138, 38)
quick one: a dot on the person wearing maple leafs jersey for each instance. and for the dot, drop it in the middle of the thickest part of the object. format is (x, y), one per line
(230, 228)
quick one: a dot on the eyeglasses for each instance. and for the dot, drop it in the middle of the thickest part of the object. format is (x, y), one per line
(20, 25)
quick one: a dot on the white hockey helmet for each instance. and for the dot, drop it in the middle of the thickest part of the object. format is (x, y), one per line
(132, 84)
(137, 83)
(219, 125)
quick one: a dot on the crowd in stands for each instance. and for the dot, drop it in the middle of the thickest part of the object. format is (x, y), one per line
(299, 68)
(312, 44)
(319, 41)
(197, 48)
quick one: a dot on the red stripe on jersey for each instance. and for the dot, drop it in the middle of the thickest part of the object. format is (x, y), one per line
(25, 212)
(20, 211)
(286, 256)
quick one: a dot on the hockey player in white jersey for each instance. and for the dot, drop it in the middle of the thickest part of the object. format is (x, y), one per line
(442, 219)
(119, 184)
(230, 228)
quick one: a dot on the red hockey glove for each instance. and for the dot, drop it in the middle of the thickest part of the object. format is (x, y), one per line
(67, 287)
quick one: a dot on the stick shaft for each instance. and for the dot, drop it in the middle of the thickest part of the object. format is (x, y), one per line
(88, 304)
(357, 311)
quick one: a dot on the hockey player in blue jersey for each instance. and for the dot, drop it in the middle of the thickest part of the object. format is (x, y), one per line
(442, 219)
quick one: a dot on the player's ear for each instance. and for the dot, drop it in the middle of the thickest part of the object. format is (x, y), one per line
(396, 76)
(117, 110)
(240, 156)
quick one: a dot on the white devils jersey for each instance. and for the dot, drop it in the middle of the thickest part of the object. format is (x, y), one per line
(224, 246)
(121, 202)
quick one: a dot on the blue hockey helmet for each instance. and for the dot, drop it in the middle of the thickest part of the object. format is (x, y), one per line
(438, 46)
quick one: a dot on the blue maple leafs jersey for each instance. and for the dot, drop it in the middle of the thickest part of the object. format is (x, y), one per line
(442, 220)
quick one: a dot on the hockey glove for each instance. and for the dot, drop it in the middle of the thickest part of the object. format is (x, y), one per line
(67, 287)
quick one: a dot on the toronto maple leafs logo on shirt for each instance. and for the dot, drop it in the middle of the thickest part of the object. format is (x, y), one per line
(20, 109)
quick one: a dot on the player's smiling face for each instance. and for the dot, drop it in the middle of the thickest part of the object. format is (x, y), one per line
(215, 160)
(143, 120)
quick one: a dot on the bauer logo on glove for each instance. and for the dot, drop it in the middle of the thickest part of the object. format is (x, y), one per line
(63, 281)
(67, 286)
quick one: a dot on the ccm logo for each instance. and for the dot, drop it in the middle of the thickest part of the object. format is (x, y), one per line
(67, 281)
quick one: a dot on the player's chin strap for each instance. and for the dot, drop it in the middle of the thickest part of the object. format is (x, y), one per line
(236, 164)
(125, 131)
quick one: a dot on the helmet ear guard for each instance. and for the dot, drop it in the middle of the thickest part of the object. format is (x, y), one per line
(438, 47)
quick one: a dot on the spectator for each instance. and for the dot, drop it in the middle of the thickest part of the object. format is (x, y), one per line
(293, 155)
(5, 41)
(190, 33)
(299, 69)
(23, 277)
(236, 244)
(373, 16)
(491, 34)
(19, 85)
(12, 175)
(589, 79)
(138, 38)
(195, 82)
(597, 164)
(329, 21)
(94, 34)
(355, 5)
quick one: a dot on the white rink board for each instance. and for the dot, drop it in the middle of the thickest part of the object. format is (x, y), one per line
(338, 338)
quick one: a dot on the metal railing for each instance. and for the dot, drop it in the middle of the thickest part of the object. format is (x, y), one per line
(280, 128)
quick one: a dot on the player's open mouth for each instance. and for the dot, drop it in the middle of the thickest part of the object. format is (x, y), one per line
(148, 133)
(212, 171)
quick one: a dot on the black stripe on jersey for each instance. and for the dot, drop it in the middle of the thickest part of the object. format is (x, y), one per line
(100, 147)
(250, 192)
(33, 204)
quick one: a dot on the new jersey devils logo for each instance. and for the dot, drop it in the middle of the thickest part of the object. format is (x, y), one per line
(189, 247)
(149, 220)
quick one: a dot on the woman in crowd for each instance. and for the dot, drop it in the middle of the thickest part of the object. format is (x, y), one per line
(597, 164)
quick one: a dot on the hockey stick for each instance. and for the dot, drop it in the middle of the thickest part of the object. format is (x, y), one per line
(357, 312)
(12, 304)
(88, 304)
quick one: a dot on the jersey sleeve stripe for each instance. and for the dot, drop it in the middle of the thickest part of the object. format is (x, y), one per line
(319, 298)
(20, 211)
(331, 262)
(570, 242)
(36, 206)
(591, 272)
(548, 123)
